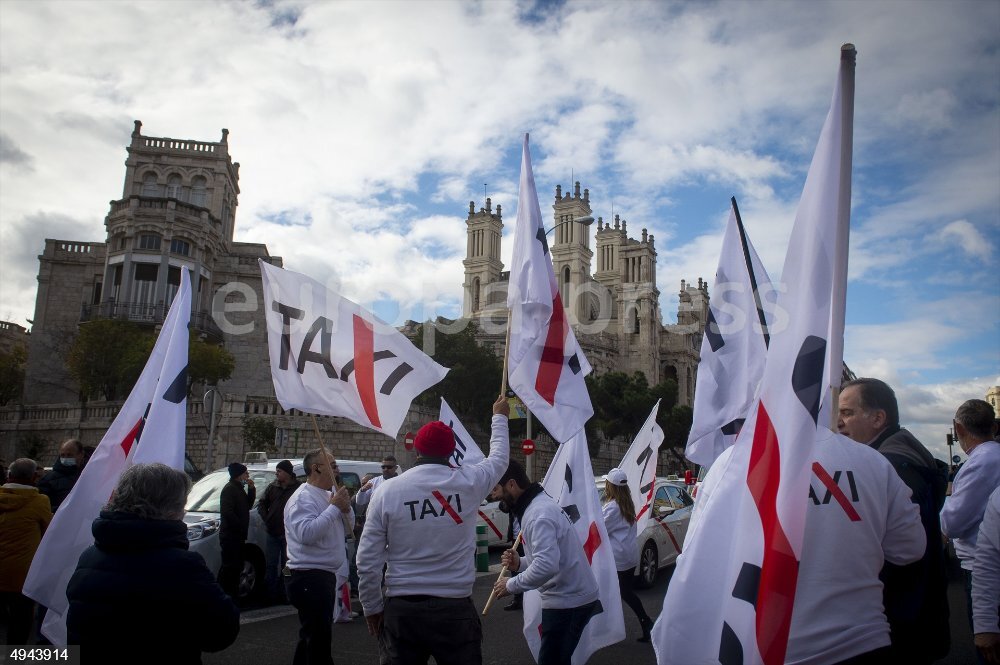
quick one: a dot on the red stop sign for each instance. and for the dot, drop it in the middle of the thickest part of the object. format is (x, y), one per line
(408, 440)
(527, 446)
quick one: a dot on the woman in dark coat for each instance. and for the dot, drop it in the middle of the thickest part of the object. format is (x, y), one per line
(137, 594)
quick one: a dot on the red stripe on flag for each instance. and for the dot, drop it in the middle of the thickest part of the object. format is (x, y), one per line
(447, 506)
(129, 439)
(364, 368)
(649, 502)
(491, 525)
(779, 569)
(835, 490)
(553, 356)
(592, 543)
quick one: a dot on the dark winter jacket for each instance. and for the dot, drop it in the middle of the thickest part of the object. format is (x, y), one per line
(235, 512)
(57, 483)
(138, 596)
(272, 506)
(915, 596)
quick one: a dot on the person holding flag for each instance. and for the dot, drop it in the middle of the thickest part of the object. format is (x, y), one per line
(420, 529)
(554, 562)
(620, 521)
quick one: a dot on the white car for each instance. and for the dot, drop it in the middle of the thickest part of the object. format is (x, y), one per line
(203, 520)
(497, 523)
(661, 541)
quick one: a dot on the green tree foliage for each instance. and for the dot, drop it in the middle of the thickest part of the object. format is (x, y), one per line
(258, 434)
(677, 426)
(12, 373)
(208, 363)
(473, 383)
(107, 357)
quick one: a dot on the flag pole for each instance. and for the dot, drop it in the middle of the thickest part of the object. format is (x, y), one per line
(848, 55)
(326, 455)
(506, 352)
(493, 593)
(753, 277)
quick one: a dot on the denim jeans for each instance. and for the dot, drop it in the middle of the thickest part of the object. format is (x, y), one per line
(561, 632)
(275, 559)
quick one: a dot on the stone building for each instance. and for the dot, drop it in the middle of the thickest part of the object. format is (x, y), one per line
(177, 210)
(613, 306)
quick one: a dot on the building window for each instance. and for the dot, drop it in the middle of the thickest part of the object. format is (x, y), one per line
(475, 295)
(173, 283)
(149, 241)
(180, 247)
(198, 191)
(149, 186)
(144, 288)
(174, 186)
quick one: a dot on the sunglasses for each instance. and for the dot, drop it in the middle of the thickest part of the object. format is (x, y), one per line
(392, 466)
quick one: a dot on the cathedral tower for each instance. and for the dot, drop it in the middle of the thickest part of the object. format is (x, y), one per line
(482, 259)
(571, 251)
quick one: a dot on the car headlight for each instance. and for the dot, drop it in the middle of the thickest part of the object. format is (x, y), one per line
(203, 529)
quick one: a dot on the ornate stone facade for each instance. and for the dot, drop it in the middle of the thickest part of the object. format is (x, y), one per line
(614, 310)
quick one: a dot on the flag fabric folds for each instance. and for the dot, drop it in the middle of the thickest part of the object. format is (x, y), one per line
(466, 450)
(149, 428)
(639, 465)
(733, 348)
(546, 365)
(734, 586)
(330, 356)
(570, 480)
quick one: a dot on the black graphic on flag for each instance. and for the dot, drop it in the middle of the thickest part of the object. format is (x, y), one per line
(715, 340)
(807, 374)
(176, 392)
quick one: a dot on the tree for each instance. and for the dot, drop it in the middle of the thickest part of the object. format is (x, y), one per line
(258, 434)
(12, 373)
(677, 426)
(473, 383)
(107, 357)
(208, 363)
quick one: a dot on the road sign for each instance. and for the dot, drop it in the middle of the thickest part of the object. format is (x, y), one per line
(528, 446)
(408, 440)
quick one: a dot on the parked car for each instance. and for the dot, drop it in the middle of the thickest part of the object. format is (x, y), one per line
(661, 541)
(203, 520)
(497, 523)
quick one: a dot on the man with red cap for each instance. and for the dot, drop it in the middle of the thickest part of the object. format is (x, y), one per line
(430, 511)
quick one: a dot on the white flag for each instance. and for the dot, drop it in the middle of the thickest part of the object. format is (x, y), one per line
(466, 449)
(733, 349)
(546, 365)
(639, 465)
(734, 585)
(332, 357)
(570, 480)
(158, 406)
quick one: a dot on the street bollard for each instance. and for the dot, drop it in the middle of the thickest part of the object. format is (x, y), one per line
(482, 550)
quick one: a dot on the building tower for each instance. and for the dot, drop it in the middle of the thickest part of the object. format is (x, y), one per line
(482, 259)
(638, 306)
(571, 251)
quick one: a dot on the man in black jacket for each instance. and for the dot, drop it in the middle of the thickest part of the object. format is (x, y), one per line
(235, 518)
(57, 483)
(272, 510)
(914, 596)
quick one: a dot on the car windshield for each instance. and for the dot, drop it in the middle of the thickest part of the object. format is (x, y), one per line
(206, 494)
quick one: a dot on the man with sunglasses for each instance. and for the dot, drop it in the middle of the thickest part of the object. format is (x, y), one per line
(315, 521)
(389, 466)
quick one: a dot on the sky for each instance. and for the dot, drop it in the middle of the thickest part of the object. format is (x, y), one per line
(364, 129)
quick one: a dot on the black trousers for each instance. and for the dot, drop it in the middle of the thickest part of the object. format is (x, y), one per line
(625, 583)
(418, 627)
(312, 593)
(232, 567)
(561, 632)
(20, 615)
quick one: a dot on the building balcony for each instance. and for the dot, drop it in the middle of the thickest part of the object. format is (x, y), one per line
(149, 314)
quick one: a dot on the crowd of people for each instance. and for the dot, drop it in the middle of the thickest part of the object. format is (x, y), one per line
(865, 595)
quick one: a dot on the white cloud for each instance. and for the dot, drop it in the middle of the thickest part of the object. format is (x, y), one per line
(968, 238)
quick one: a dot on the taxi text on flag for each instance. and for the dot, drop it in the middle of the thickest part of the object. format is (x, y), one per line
(330, 356)
(733, 348)
(157, 404)
(570, 480)
(639, 465)
(546, 365)
(734, 586)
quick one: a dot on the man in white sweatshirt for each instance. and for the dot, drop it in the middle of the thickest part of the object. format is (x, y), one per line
(314, 532)
(553, 562)
(420, 527)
